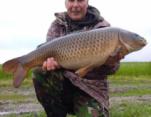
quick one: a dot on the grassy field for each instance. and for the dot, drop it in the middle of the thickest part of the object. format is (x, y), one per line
(130, 92)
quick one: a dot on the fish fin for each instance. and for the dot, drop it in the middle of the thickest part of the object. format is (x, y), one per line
(117, 50)
(15, 67)
(19, 76)
(84, 70)
(10, 66)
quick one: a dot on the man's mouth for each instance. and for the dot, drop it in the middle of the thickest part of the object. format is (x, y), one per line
(75, 12)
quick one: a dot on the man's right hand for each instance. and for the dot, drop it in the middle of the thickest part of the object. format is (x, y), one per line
(50, 64)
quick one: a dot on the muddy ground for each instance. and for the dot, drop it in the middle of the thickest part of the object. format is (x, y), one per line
(23, 100)
(20, 100)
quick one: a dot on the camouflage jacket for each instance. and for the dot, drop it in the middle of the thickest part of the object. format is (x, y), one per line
(95, 82)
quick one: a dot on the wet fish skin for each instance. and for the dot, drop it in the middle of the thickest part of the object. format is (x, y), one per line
(79, 51)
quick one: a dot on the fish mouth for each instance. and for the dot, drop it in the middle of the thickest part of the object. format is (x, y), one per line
(144, 42)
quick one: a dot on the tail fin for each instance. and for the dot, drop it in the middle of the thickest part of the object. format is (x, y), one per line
(15, 67)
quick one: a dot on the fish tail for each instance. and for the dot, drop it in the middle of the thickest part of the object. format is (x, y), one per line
(16, 68)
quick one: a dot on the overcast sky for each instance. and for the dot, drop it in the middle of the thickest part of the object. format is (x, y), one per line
(24, 23)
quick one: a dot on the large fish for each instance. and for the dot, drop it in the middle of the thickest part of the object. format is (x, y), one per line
(79, 51)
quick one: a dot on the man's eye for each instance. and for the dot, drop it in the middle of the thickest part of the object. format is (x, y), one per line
(80, 0)
(71, 0)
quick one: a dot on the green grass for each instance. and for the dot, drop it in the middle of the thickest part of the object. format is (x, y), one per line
(127, 109)
(122, 110)
(128, 71)
(134, 68)
(123, 81)
(7, 82)
(132, 79)
(12, 97)
(4, 75)
(32, 114)
(6, 79)
(7, 76)
(133, 92)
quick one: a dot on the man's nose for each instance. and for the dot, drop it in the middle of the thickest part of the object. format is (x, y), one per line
(75, 3)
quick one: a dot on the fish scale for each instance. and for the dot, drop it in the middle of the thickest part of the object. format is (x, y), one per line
(81, 51)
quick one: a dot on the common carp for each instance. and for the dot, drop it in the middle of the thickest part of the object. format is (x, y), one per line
(81, 51)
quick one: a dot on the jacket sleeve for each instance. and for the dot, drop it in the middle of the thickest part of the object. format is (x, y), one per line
(54, 31)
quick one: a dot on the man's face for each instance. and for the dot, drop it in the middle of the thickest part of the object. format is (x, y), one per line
(76, 9)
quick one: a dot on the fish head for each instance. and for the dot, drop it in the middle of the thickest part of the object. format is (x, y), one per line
(132, 41)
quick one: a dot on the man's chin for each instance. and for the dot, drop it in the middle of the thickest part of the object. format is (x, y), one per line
(76, 18)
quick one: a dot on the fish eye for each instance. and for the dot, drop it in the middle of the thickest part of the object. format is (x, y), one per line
(136, 35)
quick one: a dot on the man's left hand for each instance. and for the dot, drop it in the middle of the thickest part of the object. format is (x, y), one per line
(112, 60)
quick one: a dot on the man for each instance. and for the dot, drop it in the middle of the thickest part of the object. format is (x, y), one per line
(60, 91)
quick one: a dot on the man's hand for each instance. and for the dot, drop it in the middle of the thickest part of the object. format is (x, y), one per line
(112, 60)
(50, 64)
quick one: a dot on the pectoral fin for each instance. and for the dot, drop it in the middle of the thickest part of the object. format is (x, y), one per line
(84, 70)
(117, 50)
